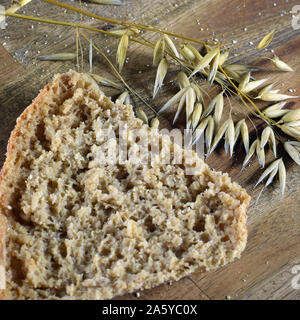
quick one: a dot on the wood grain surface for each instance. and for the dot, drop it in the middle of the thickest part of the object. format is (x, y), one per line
(265, 268)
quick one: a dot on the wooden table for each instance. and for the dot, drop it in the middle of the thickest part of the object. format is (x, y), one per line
(265, 269)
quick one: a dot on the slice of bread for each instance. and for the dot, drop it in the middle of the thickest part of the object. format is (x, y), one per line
(73, 226)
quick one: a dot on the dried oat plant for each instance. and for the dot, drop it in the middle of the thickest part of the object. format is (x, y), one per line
(209, 61)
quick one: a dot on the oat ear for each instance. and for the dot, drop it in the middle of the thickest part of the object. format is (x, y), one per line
(58, 57)
(154, 123)
(140, 113)
(266, 40)
(160, 75)
(122, 51)
(292, 152)
(159, 51)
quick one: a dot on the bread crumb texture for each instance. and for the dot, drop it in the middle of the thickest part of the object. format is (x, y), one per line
(76, 228)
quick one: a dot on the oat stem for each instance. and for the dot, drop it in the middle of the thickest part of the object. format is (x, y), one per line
(120, 22)
(73, 25)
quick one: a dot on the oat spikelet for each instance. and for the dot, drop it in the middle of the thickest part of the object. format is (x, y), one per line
(244, 81)
(186, 53)
(16, 5)
(219, 106)
(296, 144)
(190, 99)
(196, 115)
(281, 65)
(264, 90)
(272, 167)
(292, 152)
(58, 57)
(124, 98)
(293, 132)
(274, 91)
(275, 113)
(160, 75)
(272, 141)
(266, 40)
(226, 142)
(276, 96)
(219, 135)
(171, 46)
(236, 71)
(230, 136)
(179, 108)
(211, 105)
(198, 56)
(209, 132)
(141, 115)
(282, 176)
(106, 82)
(265, 136)
(223, 57)
(253, 85)
(205, 61)
(214, 68)
(159, 51)
(245, 135)
(200, 129)
(276, 106)
(190, 53)
(198, 93)
(183, 80)
(132, 31)
(292, 115)
(294, 123)
(154, 123)
(237, 129)
(174, 99)
(250, 153)
(260, 154)
(122, 51)
(272, 175)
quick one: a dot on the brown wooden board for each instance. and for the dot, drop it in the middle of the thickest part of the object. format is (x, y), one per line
(265, 269)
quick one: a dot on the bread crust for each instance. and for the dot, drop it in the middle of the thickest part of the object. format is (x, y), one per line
(241, 217)
(11, 148)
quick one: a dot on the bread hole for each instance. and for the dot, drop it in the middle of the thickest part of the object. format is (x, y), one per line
(62, 249)
(205, 237)
(179, 252)
(105, 251)
(86, 85)
(225, 238)
(17, 158)
(82, 114)
(77, 187)
(122, 173)
(17, 268)
(222, 226)
(40, 134)
(26, 164)
(118, 254)
(52, 186)
(150, 226)
(199, 225)
(130, 185)
(217, 218)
